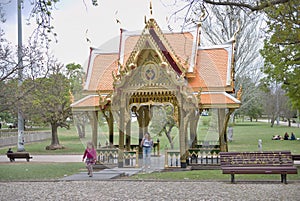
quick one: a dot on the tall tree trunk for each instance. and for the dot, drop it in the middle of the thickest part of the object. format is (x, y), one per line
(168, 134)
(110, 122)
(80, 130)
(193, 128)
(272, 121)
(54, 140)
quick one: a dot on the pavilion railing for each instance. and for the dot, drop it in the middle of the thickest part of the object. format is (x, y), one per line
(172, 158)
(202, 156)
(196, 156)
(109, 156)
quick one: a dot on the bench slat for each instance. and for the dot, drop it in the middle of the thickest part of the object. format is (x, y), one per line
(259, 170)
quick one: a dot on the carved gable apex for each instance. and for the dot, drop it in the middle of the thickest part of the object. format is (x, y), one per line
(153, 43)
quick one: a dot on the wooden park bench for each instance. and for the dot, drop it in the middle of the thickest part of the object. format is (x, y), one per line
(296, 157)
(13, 156)
(272, 162)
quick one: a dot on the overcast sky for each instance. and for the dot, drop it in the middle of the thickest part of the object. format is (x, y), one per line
(76, 20)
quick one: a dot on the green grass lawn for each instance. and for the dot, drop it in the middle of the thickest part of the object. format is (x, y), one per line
(211, 175)
(247, 134)
(245, 138)
(68, 138)
(24, 171)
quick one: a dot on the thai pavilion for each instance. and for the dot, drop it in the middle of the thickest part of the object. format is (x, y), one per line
(156, 68)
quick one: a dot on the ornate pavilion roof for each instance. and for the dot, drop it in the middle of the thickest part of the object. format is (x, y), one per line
(206, 69)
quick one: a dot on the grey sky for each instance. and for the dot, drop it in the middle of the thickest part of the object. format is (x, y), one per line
(74, 21)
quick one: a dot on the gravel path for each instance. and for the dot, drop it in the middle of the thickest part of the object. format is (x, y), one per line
(148, 190)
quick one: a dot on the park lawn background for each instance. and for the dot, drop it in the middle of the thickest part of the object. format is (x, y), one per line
(33, 171)
(245, 138)
(247, 134)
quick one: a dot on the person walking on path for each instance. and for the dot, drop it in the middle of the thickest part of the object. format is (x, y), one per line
(91, 157)
(147, 144)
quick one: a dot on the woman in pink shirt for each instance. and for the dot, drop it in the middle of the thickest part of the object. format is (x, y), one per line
(91, 157)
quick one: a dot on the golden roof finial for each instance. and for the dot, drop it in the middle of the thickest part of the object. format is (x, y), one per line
(150, 7)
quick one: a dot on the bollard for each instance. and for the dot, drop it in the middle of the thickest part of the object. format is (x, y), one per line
(260, 145)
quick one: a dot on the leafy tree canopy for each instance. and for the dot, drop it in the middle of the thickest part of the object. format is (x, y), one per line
(282, 48)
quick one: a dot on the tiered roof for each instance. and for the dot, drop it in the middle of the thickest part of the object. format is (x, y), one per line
(206, 69)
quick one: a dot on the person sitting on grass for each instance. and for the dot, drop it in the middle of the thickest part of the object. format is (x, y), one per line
(293, 137)
(276, 137)
(286, 136)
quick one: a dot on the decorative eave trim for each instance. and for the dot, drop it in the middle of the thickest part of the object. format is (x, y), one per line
(194, 50)
(83, 99)
(85, 108)
(236, 103)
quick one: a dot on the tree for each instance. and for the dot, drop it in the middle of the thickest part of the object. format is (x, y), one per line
(162, 122)
(50, 102)
(193, 10)
(253, 100)
(220, 26)
(282, 49)
(75, 75)
(255, 5)
(41, 15)
(276, 103)
(288, 112)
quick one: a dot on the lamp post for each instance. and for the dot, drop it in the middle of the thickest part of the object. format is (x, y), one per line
(20, 80)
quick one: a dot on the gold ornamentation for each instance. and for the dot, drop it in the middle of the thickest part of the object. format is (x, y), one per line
(150, 73)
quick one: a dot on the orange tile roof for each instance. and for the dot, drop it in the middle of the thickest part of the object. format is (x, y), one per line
(106, 79)
(211, 68)
(182, 44)
(100, 74)
(91, 101)
(130, 43)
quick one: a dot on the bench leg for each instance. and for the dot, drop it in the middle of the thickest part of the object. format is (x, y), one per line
(283, 178)
(232, 178)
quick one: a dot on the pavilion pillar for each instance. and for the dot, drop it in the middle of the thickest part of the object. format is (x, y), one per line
(94, 124)
(182, 138)
(121, 137)
(128, 134)
(111, 128)
(128, 139)
(143, 121)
